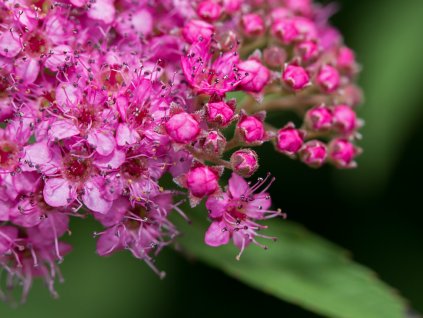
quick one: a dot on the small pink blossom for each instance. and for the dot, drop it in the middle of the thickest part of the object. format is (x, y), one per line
(342, 153)
(328, 78)
(319, 118)
(253, 24)
(202, 181)
(289, 140)
(345, 119)
(209, 10)
(256, 76)
(296, 77)
(196, 30)
(314, 153)
(220, 112)
(251, 128)
(244, 162)
(182, 127)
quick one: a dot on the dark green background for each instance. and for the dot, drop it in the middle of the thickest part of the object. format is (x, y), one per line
(374, 211)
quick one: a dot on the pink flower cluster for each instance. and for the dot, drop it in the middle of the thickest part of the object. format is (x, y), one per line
(102, 100)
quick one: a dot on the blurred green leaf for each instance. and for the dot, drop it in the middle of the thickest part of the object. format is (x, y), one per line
(116, 286)
(387, 38)
(301, 268)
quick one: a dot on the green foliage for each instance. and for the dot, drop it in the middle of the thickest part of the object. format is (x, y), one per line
(388, 46)
(301, 268)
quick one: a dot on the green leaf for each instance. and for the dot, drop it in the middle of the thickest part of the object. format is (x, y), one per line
(301, 268)
(389, 46)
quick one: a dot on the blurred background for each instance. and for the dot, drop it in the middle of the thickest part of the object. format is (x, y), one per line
(374, 211)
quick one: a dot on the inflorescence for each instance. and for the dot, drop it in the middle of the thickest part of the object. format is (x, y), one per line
(100, 100)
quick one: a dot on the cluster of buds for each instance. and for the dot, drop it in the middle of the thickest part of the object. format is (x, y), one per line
(101, 100)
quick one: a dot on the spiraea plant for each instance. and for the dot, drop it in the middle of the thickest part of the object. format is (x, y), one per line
(100, 101)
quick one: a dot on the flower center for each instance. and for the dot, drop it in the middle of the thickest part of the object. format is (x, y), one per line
(137, 115)
(36, 44)
(8, 155)
(86, 117)
(3, 86)
(112, 78)
(133, 169)
(77, 169)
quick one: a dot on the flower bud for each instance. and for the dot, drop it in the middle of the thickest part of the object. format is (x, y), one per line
(285, 30)
(328, 78)
(289, 140)
(344, 119)
(232, 6)
(214, 143)
(252, 24)
(251, 129)
(313, 153)
(209, 10)
(308, 50)
(202, 181)
(244, 162)
(182, 128)
(256, 76)
(342, 153)
(319, 118)
(274, 56)
(220, 113)
(346, 59)
(196, 29)
(280, 13)
(295, 77)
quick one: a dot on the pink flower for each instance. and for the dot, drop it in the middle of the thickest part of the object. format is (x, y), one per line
(195, 30)
(253, 24)
(244, 162)
(319, 118)
(289, 140)
(345, 119)
(296, 77)
(202, 181)
(256, 76)
(209, 10)
(211, 76)
(213, 143)
(251, 128)
(182, 127)
(274, 56)
(313, 153)
(220, 112)
(328, 78)
(308, 50)
(346, 59)
(234, 213)
(342, 153)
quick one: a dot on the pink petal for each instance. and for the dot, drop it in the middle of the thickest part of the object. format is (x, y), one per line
(104, 143)
(216, 234)
(112, 161)
(4, 211)
(58, 57)
(58, 192)
(108, 242)
(216, 205)
(62, 129)
(7, 235)
(126, 136)
(27, 69)
(237, 186)
(67, 95)
(38, 153)
(94, 200)
(9, 44)
(102, 10)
